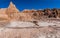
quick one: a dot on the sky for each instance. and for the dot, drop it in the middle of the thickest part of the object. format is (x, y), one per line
(31, 4)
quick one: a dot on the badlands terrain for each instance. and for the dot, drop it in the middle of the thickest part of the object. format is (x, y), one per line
(29, 23)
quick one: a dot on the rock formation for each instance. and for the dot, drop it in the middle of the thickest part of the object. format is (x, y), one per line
(3, 15)
(28, 11)
(11, 10)
(27, 24)
(13, 13)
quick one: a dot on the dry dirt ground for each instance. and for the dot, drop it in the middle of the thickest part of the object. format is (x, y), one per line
(30, 32)
(16, 29)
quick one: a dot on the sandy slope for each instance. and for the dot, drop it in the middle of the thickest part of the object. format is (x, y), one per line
(45, 32)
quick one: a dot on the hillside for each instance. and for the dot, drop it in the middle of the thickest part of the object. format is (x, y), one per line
(29, 23)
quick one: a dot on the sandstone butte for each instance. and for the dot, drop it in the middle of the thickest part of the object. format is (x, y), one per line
(12, 13)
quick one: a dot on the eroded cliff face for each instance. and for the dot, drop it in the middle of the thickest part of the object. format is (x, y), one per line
(12, 8)
(3, 13)
(12, 12)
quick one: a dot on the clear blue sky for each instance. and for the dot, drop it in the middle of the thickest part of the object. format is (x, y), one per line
(31, 4)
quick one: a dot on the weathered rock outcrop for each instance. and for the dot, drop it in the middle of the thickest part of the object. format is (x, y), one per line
(13, 13)
(11, 10)
(3, 15)
(28, 11)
